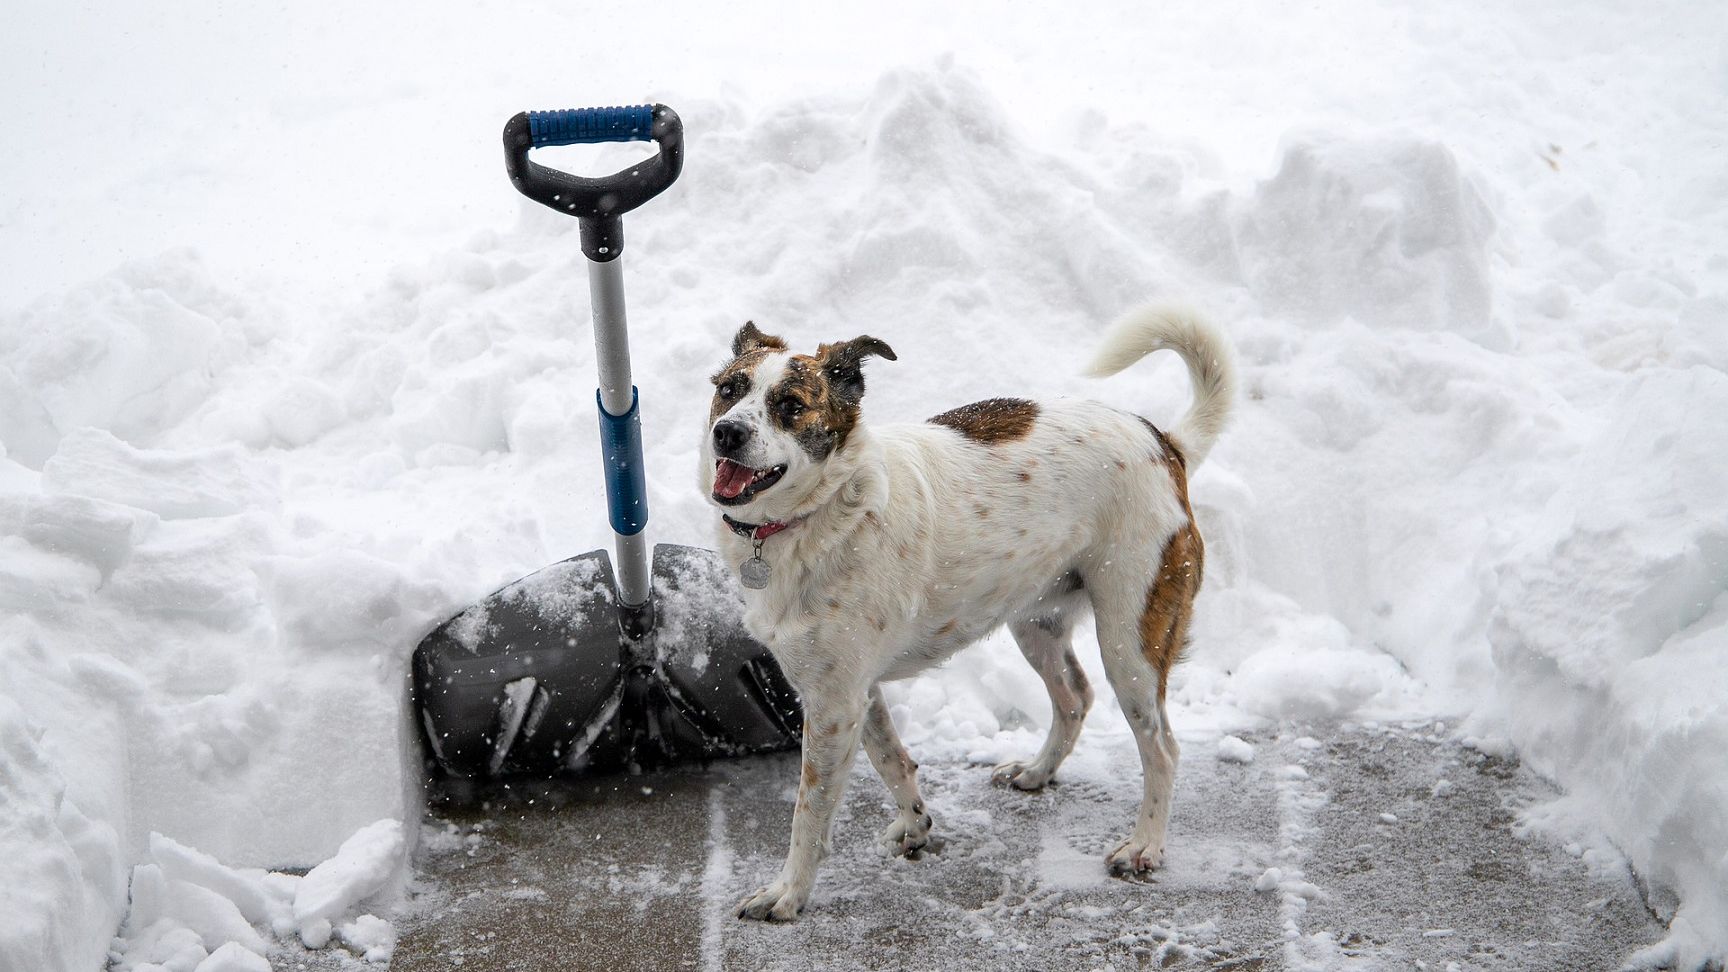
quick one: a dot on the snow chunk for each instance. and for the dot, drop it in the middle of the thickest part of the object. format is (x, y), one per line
(182, 863)
(358, 871)
(1268, 880)
(233, 958)
(315, 934)
(1234, 749)
(213, 917)
(371, 936)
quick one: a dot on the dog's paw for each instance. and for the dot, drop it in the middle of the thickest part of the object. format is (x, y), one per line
(1135, 858)
(1021, 775)
(906, 837)
(776, 902)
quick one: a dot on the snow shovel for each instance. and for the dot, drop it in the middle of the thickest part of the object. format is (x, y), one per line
(592, 665)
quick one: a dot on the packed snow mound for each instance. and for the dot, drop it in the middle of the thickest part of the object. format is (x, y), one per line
(227, 516)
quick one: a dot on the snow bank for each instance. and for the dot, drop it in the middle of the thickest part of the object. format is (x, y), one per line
(1472, 473)
(1611, 637)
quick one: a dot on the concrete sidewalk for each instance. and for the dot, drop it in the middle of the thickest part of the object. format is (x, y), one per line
(1374, 870)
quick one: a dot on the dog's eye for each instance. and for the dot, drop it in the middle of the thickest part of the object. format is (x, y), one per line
(790, 408)
(728, 390)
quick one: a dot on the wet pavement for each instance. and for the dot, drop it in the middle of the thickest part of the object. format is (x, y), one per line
(1392, 848)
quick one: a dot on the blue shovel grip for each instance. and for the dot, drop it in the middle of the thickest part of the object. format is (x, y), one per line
(569, 126)
(626, 480)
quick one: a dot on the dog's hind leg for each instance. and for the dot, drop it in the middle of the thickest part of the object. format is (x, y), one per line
(1044, 637)
(833, 723)
(1142, 631)
(911, 829)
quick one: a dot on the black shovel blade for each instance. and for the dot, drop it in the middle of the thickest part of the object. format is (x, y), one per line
(538, 679)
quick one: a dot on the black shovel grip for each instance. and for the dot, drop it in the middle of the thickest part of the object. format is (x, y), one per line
(596, 202)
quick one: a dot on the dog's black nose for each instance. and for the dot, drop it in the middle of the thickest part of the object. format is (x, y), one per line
(729, 437)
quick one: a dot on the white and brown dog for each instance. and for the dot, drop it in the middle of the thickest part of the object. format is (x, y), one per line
(874, 553)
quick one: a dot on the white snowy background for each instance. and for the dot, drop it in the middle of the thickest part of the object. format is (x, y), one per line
(289, 373)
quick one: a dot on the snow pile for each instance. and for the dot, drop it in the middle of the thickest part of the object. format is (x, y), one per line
(1474, 471)
(189, 911)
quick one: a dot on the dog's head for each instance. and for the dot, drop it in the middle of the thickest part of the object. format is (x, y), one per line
(777, 417)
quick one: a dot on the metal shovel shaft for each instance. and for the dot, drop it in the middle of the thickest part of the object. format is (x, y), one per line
(621, 433)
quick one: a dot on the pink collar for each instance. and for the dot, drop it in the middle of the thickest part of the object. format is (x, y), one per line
(761, 531)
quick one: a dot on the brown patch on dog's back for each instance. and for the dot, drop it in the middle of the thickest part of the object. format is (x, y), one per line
(992, 420)
(1170, 452)
(1170, 599)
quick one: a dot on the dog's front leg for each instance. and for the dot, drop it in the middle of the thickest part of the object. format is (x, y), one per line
(832, 724)
(910, 831)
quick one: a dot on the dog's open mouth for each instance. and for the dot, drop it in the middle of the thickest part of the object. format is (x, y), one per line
(736, 483)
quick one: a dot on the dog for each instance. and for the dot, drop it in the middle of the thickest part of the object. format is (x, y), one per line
(870, 554)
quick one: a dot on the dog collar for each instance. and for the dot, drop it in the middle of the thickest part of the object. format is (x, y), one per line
(759, 531)
(754, 573)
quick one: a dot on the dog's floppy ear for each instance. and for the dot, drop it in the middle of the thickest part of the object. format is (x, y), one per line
(749, 339)
(843, 364)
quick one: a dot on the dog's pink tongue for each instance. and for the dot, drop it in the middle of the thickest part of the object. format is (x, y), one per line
(730, 478)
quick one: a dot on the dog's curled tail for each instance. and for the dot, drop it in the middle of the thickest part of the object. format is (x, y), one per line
(1210, 360)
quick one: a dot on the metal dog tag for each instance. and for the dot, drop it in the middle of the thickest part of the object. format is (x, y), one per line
(754, 573)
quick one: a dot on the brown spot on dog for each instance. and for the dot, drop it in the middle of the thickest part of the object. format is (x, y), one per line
(1025, 476)
(818, 400)
(749, 338)
(949, 626)
(811, 777)
(1170, 599)
(983, 512)
(1121, 465)
(879, 624)
(992, 420)
(1168, 450)
(750, 347)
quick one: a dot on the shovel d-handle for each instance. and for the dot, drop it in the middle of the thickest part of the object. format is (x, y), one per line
(597, 202)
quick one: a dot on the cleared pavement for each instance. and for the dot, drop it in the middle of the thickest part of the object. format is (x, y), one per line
(1379, 864)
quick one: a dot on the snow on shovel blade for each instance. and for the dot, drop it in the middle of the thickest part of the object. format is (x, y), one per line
(538, 680)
